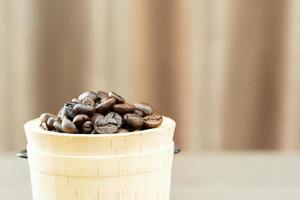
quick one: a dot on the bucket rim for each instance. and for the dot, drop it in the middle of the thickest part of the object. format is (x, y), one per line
(33, 126)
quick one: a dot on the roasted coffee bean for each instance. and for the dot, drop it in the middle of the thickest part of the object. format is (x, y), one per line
(94, 132)
(133, 120)
(94, 116)
(101, 113)
(45, 116)
(83, 109)
(123, 108)
(108, 124)
(153, 121)
(68, 126)
(105, 106)
(106, 129)
(68, 110)
(88, 101)
(122, 130)
(87, 127)
(146, 109)
(102, 94)
(75, 100)
(117, 97)
(50, 122)
(44, 126)
(57, 126)
(114, 118)
(80, 119)
(101, 126)
(139, 113)
(90, 94)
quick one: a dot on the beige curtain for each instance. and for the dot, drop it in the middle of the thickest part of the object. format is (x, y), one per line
(226, 71)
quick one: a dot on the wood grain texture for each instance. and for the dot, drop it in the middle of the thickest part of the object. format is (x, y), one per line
(135, 165)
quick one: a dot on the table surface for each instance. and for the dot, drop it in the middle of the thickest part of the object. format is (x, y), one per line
(208, 176)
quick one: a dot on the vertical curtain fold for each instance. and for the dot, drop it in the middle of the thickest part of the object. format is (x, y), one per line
(226, 71)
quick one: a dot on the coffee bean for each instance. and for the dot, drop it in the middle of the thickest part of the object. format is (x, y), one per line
(57, 126)
(50, 122)
(106, 129)
(68, 110)
(100, 120)
(68, 126)
(87, 127)
(114, 118)
(83, 109)
(80, 119)
(153, 121)
(146, 109)
(108, 124)
(94, 132)
(105, 106)
(75, 100)
(123, 108)
(101, 113)
(90, 94)
(102, 94)
(44, 126)
(122, 130)
(45, 116)
(133, 120)
(88, 101)
(139, 113)
(117, 97)
(94, 116)
(100, 126)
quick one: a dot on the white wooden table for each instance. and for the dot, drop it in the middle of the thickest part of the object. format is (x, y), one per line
(207, 176)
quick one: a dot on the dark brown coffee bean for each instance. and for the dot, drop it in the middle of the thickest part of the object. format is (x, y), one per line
(68, 110)
(45, 116)
(88, 101)
(153, 121)
(146, 109)
(122, 130)
(90, 94)
(94, 116)
(87, 127)
(123, 108)
(57, 126)
(94, 132)
(83, 109)
(68, 126)
(106, 129)
(50, 122)
(105, 106)
(102, 94)
(102, 122)
(44, 126)
(80, 119)
(139, 113)
(108, 124)
(133, 120)
(117, 97)
(75, 100)
(114, 118)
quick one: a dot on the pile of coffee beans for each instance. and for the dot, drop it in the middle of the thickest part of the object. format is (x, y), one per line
(101, 113)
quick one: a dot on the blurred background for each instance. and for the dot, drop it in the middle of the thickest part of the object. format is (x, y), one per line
(227, 71)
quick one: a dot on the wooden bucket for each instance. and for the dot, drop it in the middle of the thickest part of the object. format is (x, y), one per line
(126, 166)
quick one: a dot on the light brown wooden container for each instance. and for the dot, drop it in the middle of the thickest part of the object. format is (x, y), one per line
(126, 166)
